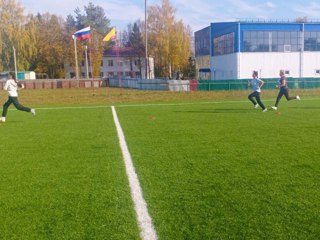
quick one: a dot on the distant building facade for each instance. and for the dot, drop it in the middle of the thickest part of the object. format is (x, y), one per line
(122, 62)
(202, 53)
(234, 49)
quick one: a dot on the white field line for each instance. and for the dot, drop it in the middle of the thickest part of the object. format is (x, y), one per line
(199, 103)
(147, 231)
(153, 104)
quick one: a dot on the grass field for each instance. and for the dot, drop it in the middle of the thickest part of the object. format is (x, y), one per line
(210, 166)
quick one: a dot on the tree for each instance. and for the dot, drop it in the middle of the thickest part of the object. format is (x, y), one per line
(15, 33)
(302, 19)
(50, 41)
(136, 43)
(169, 40)
(135, 39)
(95, 18)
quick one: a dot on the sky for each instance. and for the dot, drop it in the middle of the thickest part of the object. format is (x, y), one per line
(197, 14)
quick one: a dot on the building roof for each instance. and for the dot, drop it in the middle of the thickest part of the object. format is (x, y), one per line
(121, 52)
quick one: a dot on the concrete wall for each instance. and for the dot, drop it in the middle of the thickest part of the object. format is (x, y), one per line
(224, 67)
(143, 84)
(241, 65)
(311, 63)
(56, 83)
(269, 64)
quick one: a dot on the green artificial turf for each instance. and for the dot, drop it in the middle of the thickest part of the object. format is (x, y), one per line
(62, 177)
(228, 171)
(210, 166)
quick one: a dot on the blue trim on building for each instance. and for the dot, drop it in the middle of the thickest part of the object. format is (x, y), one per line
(223, 28)
(312, 27)
(271, 26)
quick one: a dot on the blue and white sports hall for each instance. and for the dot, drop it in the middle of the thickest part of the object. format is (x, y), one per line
(231, 50)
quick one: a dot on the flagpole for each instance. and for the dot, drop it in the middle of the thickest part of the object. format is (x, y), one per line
(91, 49)
(118, 61)
(76, 57)
(146, 36)
(87, 66)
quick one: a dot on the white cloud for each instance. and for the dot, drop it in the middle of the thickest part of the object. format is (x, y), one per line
(270, 5)
(310, 10)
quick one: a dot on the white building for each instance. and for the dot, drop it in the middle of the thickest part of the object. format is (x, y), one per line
(231, 50)
(115, 62)
(125, 62)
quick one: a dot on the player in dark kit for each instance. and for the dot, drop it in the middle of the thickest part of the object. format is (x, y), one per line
(283, 86)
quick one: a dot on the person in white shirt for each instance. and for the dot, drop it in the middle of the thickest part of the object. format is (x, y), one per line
(12, 87)
(256, 84)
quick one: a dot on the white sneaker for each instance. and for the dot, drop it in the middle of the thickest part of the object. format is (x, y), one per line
(265, 110)
(256, 105)
(274, 108)
(2, 119)
(298, 98)
(33, 111)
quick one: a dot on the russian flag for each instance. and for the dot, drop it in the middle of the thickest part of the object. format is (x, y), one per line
(84, 33)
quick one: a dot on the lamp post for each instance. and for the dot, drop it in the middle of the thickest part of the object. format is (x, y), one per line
(15, 62)
(146, 37)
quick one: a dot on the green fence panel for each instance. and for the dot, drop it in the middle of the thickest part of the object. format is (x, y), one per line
(243, 84)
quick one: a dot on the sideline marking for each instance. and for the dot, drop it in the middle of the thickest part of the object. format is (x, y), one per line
(155, 104)
(147, 231)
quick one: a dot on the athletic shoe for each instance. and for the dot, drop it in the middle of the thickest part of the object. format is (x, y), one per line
(256, 105)
(33, 111)
(298, 98)
(274, 108)
(2, 119)
(264, 110)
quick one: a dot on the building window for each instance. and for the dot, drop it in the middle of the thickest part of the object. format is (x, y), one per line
(287, 48)
(137, 62)
(271, 41)
(101, 63)
(312, 41)
(287, 72)
(317, 71)
(224, 44)
(110, 63)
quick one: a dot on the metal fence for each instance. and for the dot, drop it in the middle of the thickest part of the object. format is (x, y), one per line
(242, 84)
(167, 85)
